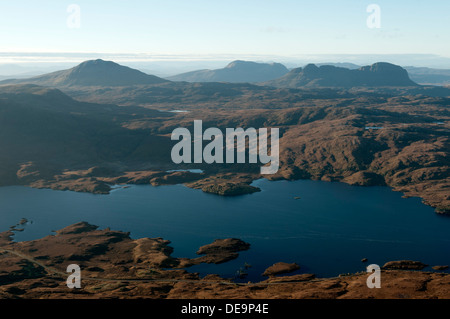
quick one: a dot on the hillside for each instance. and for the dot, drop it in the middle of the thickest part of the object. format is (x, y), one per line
(52, 131)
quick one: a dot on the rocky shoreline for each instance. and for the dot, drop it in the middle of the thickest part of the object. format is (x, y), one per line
(222, 184)
(116, 266)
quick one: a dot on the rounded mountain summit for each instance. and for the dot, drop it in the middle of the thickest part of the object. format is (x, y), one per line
(236, 72)
(94, 73)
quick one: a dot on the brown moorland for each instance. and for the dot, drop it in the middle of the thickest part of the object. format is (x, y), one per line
(115, 266)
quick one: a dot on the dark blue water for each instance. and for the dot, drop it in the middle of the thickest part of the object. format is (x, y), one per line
(327, 231)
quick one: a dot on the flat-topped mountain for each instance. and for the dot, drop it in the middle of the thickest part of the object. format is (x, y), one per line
(379, 74)
(236, 72)
(92, 73)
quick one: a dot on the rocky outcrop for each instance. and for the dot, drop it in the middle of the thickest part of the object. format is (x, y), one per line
(84, 185)
(281, 268)
(291, 278)
(440, 268)
(78, 228)
(364, 178)
(220, 251)
(6, 237)
(230, 189)
(154, 252)
(223, 245)
(175, 178)
(405, 265)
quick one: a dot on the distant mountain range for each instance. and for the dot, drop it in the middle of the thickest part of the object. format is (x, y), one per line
(92, 73)
(252, 72)
(420, 75)
(100, 73)
(106, 73)
(379, 74)
(236, 72)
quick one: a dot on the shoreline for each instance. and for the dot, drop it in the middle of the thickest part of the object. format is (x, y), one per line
(106, 275)
(221, 184)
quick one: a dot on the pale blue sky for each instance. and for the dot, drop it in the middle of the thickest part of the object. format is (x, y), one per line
(266, 27)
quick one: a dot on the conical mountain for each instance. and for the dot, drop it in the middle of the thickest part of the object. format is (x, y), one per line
(92, 73)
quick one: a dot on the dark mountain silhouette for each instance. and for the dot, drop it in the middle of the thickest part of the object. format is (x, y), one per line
(92, 73)
(44, 125)
(380, 74)
(236, 72)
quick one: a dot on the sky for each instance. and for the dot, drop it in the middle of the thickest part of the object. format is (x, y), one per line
(219, 27)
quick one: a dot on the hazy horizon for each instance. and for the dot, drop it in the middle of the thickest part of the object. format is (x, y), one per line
(29, 64)
(178, 36)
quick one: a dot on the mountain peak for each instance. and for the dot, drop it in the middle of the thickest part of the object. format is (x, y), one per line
(99, 63)
(237, 63)
(311, 69)
(375, 75)
(385, 68)
(238, 71)
(107, 73)
(95, 73)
